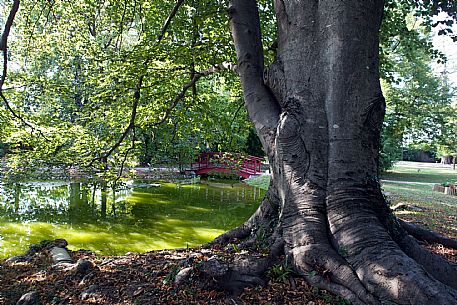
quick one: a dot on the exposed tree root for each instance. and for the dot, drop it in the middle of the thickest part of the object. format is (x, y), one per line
(439, 268)
(382, 267)
(380, 273)
(408, 207)
(233, 274)
(246, 271)
(423, 234)
(322, 266)
(370, 236)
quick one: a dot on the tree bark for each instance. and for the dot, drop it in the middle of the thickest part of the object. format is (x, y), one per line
(318, 110)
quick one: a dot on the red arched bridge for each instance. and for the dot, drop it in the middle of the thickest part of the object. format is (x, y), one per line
(242, 166)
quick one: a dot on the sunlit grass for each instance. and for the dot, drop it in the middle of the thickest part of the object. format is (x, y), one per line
(421, 172)
(411, 183)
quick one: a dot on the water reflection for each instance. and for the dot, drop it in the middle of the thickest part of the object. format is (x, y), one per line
(136, 217)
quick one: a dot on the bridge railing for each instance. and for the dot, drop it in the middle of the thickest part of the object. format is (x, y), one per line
(237, 162)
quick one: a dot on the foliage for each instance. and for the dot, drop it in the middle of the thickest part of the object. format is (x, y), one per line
(280, 272)
(418, 102)
(80, 78)
(216, 122)
(223, 176)
(448, 184)
(330, 298)
(390, 150)
(448, 139)
(82, 70)
(3, 149)
(418, 153)
(337, 300)
(170, 277)
(253, 144)
(419, 110)
(420, 105)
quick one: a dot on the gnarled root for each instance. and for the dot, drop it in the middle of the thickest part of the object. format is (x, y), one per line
(323, 267)
(439, 268)
(364, 254)
(421, 233)
(360, 222)
(235, 272)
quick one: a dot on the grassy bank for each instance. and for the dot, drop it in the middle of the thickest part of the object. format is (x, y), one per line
(411, 183)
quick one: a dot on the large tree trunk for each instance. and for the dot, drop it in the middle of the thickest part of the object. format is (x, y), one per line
(318, 111)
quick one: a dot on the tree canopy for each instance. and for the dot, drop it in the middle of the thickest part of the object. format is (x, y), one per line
(97, 78)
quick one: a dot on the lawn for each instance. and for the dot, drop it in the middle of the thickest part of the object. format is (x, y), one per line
(421, 172)
(411, 183)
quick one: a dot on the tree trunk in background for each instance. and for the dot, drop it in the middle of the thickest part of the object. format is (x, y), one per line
(446, 160)
(318, 110)
(103, 191)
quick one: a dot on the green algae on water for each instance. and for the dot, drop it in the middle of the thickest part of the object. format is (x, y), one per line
(137, 218)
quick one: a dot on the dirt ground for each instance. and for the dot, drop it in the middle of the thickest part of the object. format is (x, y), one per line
(147, 278)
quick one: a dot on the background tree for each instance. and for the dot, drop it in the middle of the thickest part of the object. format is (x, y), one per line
(216, 121)
(447, 145)
(419, 104)
(418, 100)
(79, 77)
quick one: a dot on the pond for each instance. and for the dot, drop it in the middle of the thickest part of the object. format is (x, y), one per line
(138, 217)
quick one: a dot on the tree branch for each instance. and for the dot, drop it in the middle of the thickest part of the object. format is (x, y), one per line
(233, 120)
(174, 103)
(421, 233)
(214, 69)
(4, 39)
(262, 106)
(8, 24)
(137, 94)
(121, 170)
(130, 126)
(169, 19)
(4, 49)
(20, 118)
(119, 37)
